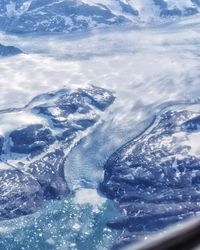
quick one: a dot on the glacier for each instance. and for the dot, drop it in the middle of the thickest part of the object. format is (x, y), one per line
(147, 65)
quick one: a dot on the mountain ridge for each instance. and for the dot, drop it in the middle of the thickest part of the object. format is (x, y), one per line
(9, 50)
(76, 15)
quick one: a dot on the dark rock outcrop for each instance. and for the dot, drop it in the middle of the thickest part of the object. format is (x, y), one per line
(1, 144)
(21, 193)
(9, 50)
(32, 164)
(155, 178)
(32, 139)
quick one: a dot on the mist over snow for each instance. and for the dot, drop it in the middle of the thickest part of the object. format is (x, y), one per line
(161, 60)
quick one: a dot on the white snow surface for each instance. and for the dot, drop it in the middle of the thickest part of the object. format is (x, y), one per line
(147, 65)
(15, 120)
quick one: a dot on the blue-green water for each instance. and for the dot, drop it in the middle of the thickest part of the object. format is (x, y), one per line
(68, 224)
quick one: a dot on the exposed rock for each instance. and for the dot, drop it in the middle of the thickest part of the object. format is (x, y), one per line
(9, 50)
(32, 165)
(32, 139)
(22, 16)
(155, 179)
(21, 193)
(1, 144)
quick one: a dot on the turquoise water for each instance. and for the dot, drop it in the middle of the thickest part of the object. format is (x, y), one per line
(69, 224)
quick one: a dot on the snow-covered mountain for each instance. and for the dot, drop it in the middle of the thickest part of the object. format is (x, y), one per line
(154, 178)
(36, 139)
(9, 50)
(72, 15)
